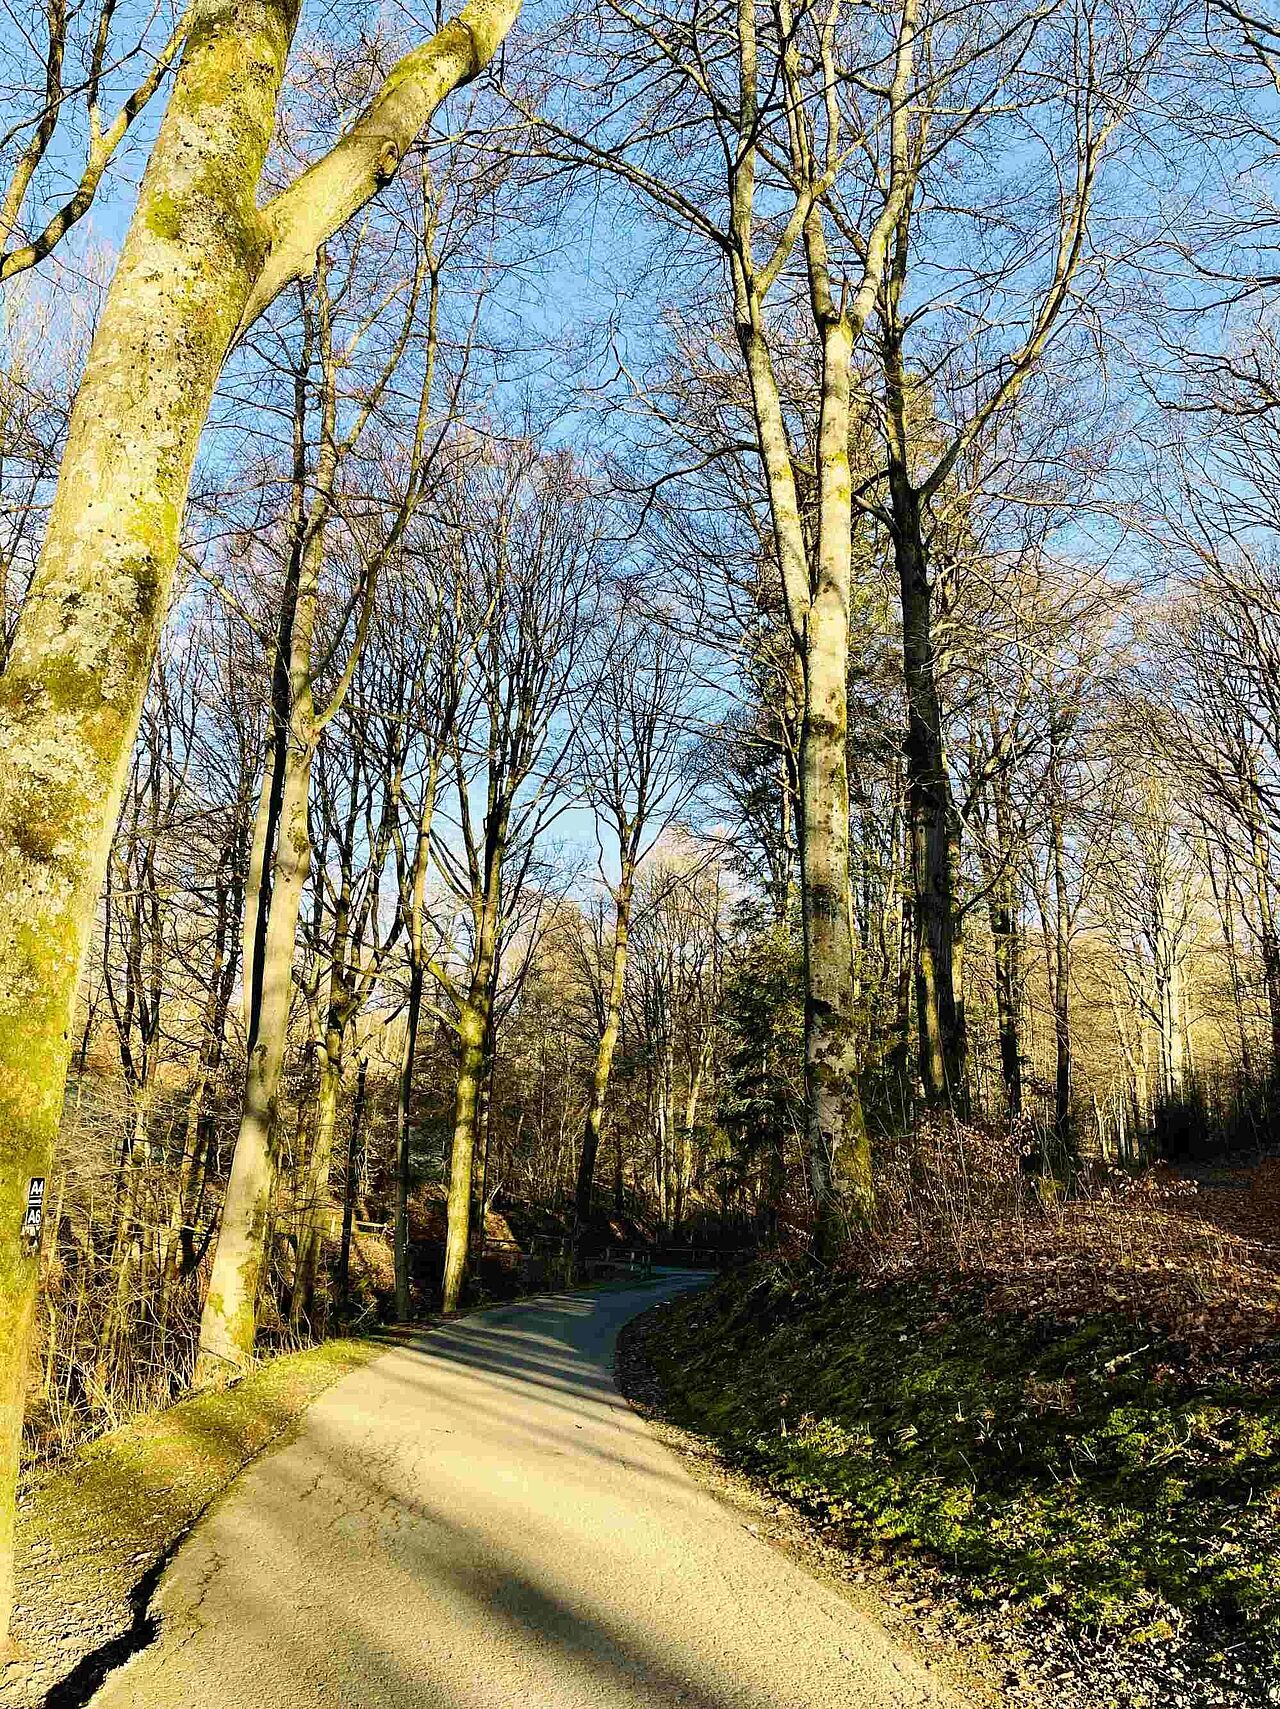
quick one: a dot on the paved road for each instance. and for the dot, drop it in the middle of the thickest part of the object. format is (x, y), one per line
(477, 1520)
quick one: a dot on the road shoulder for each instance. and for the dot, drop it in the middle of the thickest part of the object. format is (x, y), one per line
(96, 1532)
(937, 1634)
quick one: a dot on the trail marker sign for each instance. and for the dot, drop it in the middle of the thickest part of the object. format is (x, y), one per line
(33, 1216)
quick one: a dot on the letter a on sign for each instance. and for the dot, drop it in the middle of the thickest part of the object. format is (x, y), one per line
(33, 1216)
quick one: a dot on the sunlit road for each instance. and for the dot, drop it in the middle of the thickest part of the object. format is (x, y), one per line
(477, 1519)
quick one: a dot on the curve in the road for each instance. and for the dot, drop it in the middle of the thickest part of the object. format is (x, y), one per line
(478, 1520)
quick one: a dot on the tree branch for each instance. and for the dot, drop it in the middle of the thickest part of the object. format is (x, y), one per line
(323, 198)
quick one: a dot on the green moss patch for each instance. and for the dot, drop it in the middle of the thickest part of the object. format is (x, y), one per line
(1069, 1465)
(92, 1529)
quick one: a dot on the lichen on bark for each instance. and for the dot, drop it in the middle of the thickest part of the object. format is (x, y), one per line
(72, 688)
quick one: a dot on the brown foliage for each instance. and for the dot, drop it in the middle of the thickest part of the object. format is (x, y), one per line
(1199, 1259)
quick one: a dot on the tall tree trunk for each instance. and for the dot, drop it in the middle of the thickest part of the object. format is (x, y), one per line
(403, 1110)
(1223, 886)
(790, 718)
(266, 828)
(229, 1321)
(662, 1146)
(698, 1066)
(818, 618)
(1061, 994)
(839, 1149)
(256, 889)
(415, 900)
(933, 827)
(228, 1324)
(605, 1048)
(619, 1177)
(316, 1208)
(931, 822)
(473, 1025)
(1268, 934)
(484, 1116)
(350, 1186)
(1006, 943)
(903, 966)
(72, 688)
(1172, 1038)
(1000, 881)
(1167, 974)
(473, 1039)
(191, 270)
(342, 1003)
(180, 1244)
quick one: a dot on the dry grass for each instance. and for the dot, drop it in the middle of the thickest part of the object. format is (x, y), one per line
(1199, 1259)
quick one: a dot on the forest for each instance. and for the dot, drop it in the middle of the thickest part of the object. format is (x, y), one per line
(644, 635)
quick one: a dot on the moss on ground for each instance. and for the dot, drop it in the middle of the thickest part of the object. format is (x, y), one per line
(92, 1528)
(1068, 1464)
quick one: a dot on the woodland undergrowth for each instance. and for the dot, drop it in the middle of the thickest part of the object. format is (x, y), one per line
(1071, 1401)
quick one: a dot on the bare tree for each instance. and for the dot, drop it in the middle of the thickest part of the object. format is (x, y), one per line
(532, 536)
(201, 262)
(674, 997)
(759, 137)
(980, 359)
(59, 99)
(304, 659)
(1153, 910)
(637, 779)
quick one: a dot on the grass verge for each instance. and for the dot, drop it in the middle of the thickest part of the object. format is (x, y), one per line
(1072, 1464)
(95, 1528)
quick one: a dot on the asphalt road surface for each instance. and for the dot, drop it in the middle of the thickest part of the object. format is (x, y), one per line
(478, 1520)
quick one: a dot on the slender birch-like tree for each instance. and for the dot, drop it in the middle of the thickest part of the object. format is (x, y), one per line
(283, 836)
(533, 534)
(637, 780)
(780, 139)
(436, 650)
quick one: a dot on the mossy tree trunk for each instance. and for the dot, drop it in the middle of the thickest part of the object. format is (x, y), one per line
(474, 1025)
(839, 1149)
(475, 1021)
(605, 1049)
(230, 1315)
(818, 617)
(315, 1219)
(72, 688)
(229, 1320)
(814, 562)
(200, 260)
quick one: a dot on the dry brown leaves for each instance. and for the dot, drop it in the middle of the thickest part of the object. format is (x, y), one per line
(1198, 1259)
